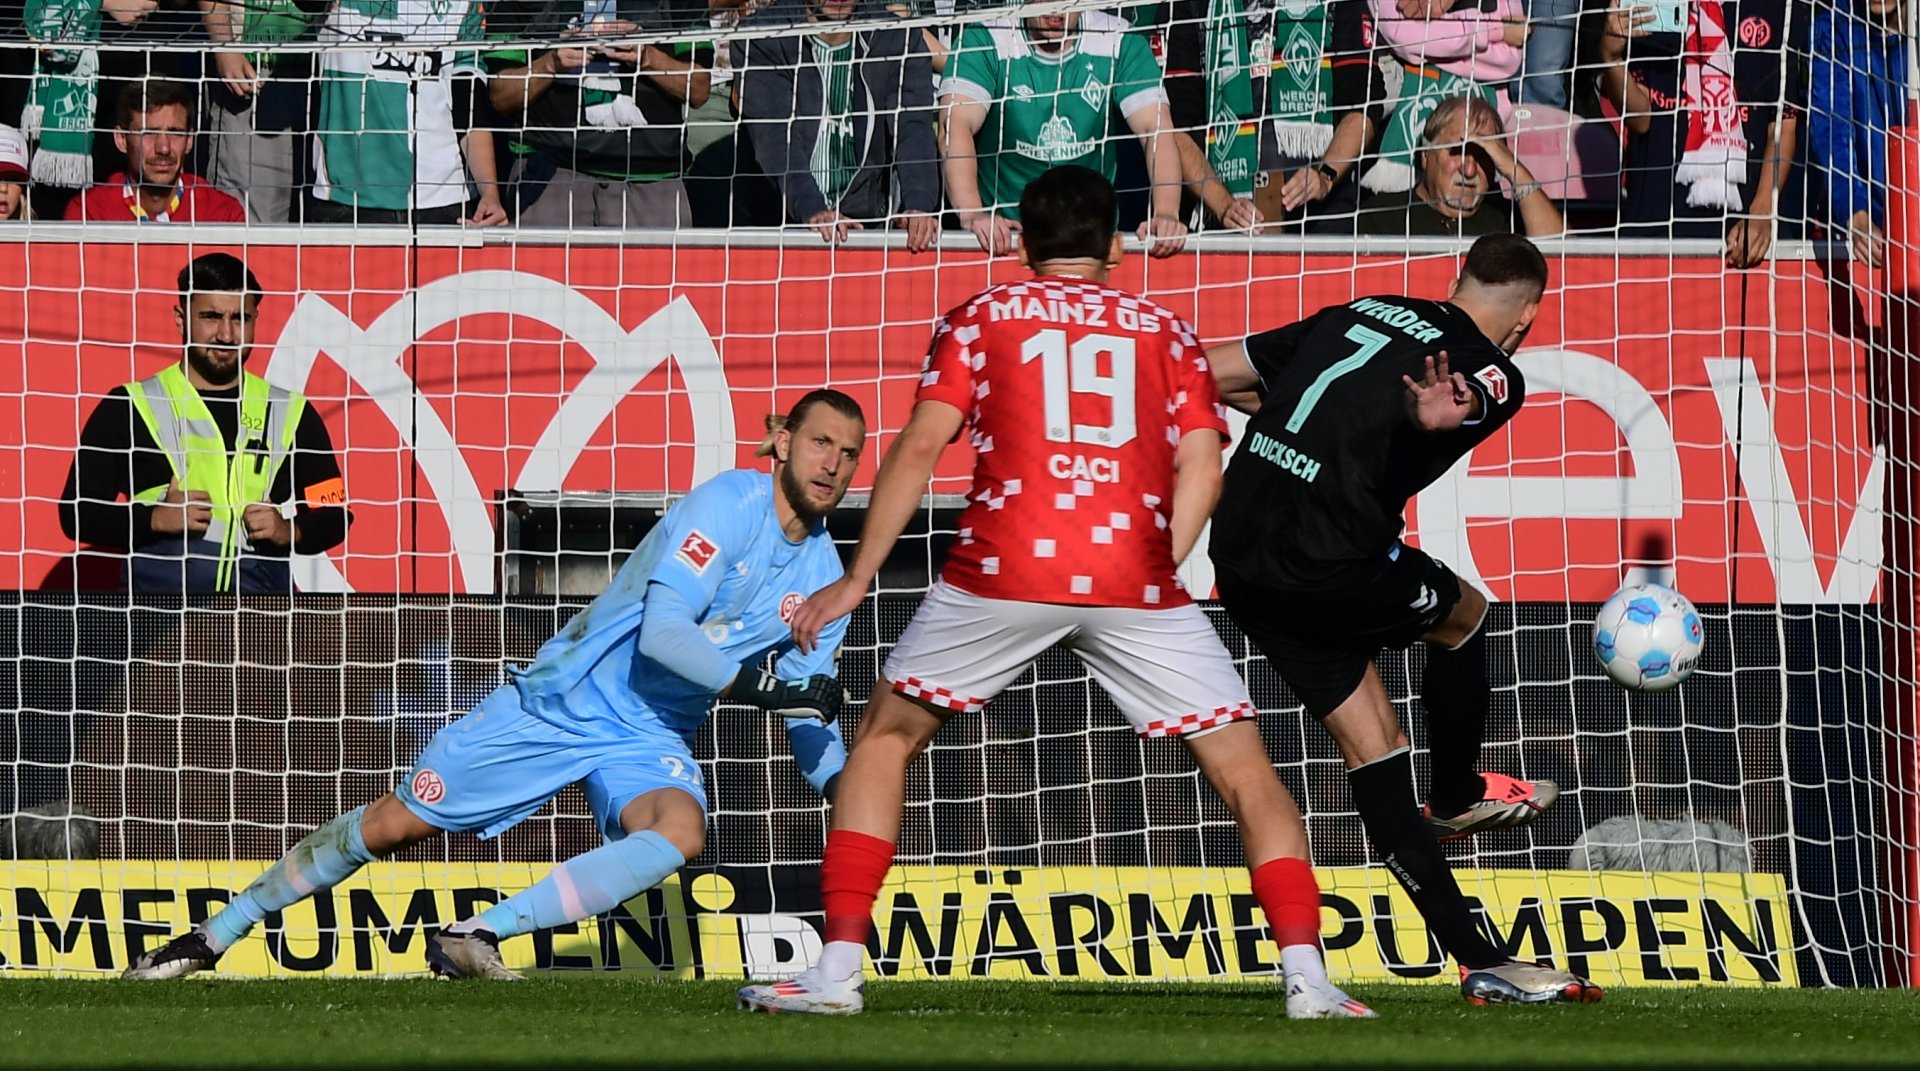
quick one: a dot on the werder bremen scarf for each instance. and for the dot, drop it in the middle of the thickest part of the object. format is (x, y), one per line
(835, 159)
(1300, 88)
(1233, 130)
(1421, 91)
(60, 114)
(606, 97)
(1714, 165)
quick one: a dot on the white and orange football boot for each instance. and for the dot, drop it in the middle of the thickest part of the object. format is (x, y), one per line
(808, 993)
(1324, 1001)
(1507, 803)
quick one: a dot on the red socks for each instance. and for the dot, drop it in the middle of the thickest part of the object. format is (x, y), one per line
(1290, 897)
(855, 865)
(851, 872)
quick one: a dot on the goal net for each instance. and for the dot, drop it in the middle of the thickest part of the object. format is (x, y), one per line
(561, 288)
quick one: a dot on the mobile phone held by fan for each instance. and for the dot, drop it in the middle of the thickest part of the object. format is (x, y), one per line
(1669, 16)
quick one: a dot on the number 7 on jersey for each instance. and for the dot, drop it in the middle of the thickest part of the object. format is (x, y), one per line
(1370, 343)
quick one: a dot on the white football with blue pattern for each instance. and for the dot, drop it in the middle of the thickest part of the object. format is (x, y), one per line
(1648, 637)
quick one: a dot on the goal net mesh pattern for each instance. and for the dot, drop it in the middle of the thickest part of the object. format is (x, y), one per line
(514, 405)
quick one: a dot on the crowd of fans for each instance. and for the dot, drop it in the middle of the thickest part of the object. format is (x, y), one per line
(1742, 120)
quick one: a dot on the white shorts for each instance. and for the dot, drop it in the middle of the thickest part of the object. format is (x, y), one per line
(1165, 669)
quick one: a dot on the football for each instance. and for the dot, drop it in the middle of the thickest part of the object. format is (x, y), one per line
(1647, 637)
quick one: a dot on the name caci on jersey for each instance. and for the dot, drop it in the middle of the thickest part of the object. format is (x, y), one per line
(1081, 467)
(1076, 396)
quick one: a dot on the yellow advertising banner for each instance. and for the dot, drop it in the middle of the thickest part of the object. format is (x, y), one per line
(1088, 923)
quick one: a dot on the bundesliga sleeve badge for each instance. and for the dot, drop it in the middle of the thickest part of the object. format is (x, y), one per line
(697, 551)
(1494, 380)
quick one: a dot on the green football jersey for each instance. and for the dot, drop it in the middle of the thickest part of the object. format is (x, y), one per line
(385, 136)
(1046, 109)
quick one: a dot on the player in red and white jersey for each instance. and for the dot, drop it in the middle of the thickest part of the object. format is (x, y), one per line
(1072, 498)
(1097, 430)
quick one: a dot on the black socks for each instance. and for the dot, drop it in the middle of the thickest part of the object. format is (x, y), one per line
(1454, 691)
(1383, 793)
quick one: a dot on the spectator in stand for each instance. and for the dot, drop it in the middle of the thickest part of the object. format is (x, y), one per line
(1324, 97)
(153, 127)
(723, 16)
(1446, 48)
(1701, 108)
(392, 124)
(1023, 96)
(17, 56)
(258, 102)
(937, 49)
(715, 120)
(610, 118)
(60, 112)
(13, 175)
(724, 182)
(1214, 85)
(1464, 151)
(1858, 95)
(1546, 67)
(841, 121)
(203, 477)
(168, 43)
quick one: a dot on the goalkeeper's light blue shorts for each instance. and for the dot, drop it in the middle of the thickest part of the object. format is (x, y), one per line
(494, 768)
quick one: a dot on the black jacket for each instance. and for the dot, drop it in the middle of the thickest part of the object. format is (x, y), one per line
(892, 114)
(555, 121)
(117, 457)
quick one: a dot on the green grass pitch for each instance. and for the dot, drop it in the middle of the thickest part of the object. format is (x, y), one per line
(581, 1021)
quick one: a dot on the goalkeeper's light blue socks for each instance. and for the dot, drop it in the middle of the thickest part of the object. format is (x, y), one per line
(327, 857)
(584, 886)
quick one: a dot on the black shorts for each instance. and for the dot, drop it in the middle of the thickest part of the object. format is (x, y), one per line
(1322, 640)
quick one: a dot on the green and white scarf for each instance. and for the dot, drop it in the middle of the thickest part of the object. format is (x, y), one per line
(1300, 88)
(1233, 131)
(1420, 93)
(65, 87)
(835, 158)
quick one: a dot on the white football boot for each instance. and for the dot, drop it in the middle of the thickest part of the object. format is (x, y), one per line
(1325, 1001)
(474, 954)
(809, 993)
(1506, 803)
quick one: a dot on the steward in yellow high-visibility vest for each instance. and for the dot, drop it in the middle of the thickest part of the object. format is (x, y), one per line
(205, 477)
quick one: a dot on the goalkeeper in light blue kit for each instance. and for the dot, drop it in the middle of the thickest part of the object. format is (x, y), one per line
(613, 702)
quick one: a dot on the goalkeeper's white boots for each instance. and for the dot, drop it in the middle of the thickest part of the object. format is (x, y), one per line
(1306, 1000)
(808, 993)
(186, 954)
(474, 954)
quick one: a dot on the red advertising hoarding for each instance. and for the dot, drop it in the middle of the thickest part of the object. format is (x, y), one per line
(1675, 409)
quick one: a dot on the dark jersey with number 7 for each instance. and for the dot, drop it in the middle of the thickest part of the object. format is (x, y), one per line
(1320, 483)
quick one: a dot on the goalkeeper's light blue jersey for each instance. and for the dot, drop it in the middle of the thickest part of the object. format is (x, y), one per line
(722, 550)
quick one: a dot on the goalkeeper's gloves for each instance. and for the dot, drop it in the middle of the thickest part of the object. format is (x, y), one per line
(817, 698)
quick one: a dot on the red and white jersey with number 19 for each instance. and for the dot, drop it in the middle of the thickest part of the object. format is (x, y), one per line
(1076, 396)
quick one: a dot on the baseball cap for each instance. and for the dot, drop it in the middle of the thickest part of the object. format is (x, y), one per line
(13, 155)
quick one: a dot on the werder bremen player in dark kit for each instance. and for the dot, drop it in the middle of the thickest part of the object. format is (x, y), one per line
(1355, 410)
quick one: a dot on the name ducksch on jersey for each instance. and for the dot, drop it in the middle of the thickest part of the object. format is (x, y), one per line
(1408, 321)
(1058, 311)
(1263, 446)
